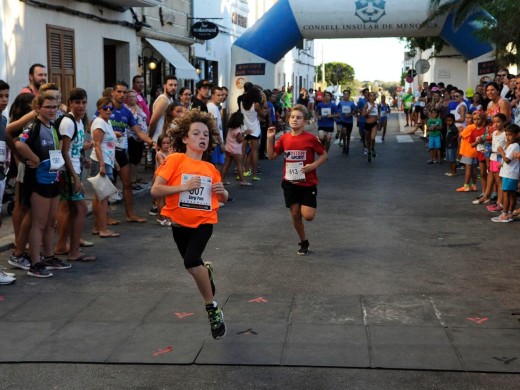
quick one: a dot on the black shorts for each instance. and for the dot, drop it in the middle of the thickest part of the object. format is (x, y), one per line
(191, 243)
(347, 126)
(47, 190)
(121, 158)
(135, 150)
(370, 126)
(250, 137)
(303, 195)
(326, 129)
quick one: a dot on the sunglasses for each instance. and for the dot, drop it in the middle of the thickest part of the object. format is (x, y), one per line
(106, 108)
(50, 107)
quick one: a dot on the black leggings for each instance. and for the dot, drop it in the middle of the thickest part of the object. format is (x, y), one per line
(191, 242)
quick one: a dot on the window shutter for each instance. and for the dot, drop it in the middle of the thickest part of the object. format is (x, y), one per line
(61, 59)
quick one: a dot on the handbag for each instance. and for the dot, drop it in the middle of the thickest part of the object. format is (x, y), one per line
(102, 186)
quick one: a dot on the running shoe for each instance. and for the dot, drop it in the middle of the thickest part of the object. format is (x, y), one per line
(463, 189)
(55, 263)
(216, 320)
(493, 208)
(38, 270)
(365, 151)
(153, 211)
(304, 248)
(6, 278)
(22, 261)
(209, 266)
(503, 218)
(256, 178)
(473, 188)
(248, 173)
(373, 152)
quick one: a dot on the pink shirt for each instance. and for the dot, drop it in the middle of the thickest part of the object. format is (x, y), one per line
(232, 145)
(142, 103)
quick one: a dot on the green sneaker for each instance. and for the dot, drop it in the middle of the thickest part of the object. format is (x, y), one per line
(216, 320)
(256, 178)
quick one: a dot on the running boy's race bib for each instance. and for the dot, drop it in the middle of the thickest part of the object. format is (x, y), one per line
(199, 198)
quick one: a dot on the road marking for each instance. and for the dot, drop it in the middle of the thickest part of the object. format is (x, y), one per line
(183, 315)
(258, 300)
(162, 351)
(478, 320)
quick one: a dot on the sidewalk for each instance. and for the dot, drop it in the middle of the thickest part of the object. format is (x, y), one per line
(7, 233)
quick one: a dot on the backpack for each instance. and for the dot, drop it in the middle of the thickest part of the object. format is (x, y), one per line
(56, 124)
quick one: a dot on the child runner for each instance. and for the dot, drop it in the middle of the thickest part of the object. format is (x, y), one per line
(163, 146)
(434, 127)
(509, 173)
(346, 110)
(193, 190)
(234, 146)
(384, 110)
(469, 158)
(299, 171)
(452, 143)
(371, 114)
(326, 111)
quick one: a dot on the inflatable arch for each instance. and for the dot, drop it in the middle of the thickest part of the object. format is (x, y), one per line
(255, 53)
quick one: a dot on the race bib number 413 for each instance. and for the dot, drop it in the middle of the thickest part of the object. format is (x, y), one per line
(199, 198)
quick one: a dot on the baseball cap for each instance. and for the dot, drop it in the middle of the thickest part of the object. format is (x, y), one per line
(203, 83)
(470, 92)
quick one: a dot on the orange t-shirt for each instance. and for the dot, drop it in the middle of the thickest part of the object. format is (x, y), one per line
(467, 138)
(190, 208)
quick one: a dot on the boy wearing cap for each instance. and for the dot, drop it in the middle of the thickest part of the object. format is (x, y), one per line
(202, 96)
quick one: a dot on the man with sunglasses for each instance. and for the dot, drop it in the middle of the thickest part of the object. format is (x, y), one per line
(122, 120)
(503, 81)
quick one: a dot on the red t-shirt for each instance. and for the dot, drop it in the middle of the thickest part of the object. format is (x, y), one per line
(190, 208)
(297, 150)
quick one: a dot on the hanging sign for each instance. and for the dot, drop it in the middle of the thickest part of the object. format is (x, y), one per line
(204, 30)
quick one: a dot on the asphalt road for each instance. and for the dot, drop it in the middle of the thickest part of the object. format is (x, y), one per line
(390, 228)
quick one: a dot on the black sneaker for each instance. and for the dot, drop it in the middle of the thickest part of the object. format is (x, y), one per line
(216, 320)
(55, 263)
(209, 266)
(304, 248)
(38, 270)
(22, 261)
(153, 210)
(373, 152)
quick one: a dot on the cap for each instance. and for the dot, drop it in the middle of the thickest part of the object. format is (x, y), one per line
(203, 83)
(435, 89)
(470, 92)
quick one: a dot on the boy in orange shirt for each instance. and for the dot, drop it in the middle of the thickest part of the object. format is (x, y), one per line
(193, 189)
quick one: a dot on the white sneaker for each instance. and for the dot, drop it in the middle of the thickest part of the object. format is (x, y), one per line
(6, 278)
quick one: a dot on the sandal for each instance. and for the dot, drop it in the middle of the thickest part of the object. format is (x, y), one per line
(110, 234)
(85, 258)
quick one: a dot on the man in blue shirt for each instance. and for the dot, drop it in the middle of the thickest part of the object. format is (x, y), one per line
(361, 120)
(122, 119)
(326, 111)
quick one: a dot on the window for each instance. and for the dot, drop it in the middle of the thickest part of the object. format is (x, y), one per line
(61, 59)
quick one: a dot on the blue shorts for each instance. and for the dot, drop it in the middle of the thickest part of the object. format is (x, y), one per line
(509, 184)
(451, 155)
(468, 160)
(434, 142)
(217, 156)
(94, 170)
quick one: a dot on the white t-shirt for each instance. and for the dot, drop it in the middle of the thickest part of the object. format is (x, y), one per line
(496, 141)
(67, 129)
(160, 122)
(214, 110)
(511, 170)
(108, 145)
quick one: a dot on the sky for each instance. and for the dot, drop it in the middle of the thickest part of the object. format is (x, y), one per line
(371, 58)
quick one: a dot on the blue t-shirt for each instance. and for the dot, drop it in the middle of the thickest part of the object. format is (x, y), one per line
(345, 108)
(360, 104)
(384, 110)
(121, 120)
(325, 121)
(272, 112)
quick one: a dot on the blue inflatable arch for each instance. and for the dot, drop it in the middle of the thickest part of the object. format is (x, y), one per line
(255, 53)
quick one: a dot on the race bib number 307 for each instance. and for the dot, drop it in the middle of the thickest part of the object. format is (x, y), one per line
(199, 198)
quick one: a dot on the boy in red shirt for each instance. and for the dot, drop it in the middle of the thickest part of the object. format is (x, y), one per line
(299, 170)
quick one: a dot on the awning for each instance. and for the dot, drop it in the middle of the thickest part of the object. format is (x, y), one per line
(183, 69)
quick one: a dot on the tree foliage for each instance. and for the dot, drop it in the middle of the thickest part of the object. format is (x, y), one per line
(502, 28)
(337, 73)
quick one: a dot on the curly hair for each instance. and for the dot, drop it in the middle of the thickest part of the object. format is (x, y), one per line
(178, 132)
